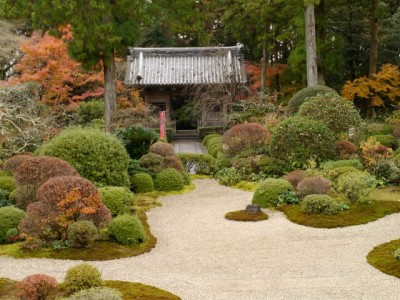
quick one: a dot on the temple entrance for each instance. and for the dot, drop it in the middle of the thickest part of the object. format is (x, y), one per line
(184, 112)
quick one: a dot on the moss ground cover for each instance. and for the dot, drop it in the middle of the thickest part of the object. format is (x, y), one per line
(386, 194)
(129, 290)
(242, 215)
(381, 257)
(357, 214)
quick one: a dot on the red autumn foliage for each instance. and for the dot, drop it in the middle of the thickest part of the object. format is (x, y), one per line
(47, 62)
(61, 201)
(313, 185)
(37, 287)
(345, 149)
(245, 136)
(254, 72)
(295, 176)
(14, 162)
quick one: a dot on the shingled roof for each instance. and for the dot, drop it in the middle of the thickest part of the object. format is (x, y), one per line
(184, 66)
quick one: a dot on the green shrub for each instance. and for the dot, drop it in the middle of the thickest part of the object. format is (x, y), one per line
(269, 190)
(96, 293)
(272, 167)
(7, 183)
(82, 277)
(248, 165)
(82, 233)
(169, 180)
(222, 161)
(10, 217)
(5, 199)
(127, 229)
(186, 178)
(134, 167)
(198, 163)
(296, 140)
(96, 155)
(331, 164)
(152, 161)
(244, 136)
(396, 254)
(89, 111)
(387, 170)
(387, 140)
(142, 183)
(163, 149)
(137, 140)
(313, 185)
(172, 161)
(334, 111)
(214, 146)
(37, 287)
(334, 174)
(119, 200)
(319, 204)
(356, 186)
(208, 137)
(205, 131)
(229, 176)
(301, 96)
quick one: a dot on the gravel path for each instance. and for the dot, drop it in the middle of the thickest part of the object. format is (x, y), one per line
(200, 255)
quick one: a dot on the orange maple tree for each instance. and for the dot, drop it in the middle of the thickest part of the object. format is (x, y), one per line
(46, 61)
(254, 72)
(381, 90)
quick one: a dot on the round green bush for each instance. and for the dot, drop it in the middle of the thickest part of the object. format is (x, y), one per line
(296, 140)
(119, 200)
(334, 111)
(356, 186)
(319, 204)
(387, 140)
(334, 174)
(163, 149)
(142, 183)
(210, 136)
(301, 96)
(127, 229)
(7, 183)
(82, 277)
(186, 178)
(152, 161)
(268, 191)
(169, 180)
(82, 233)
(10, 217)
(97, 293)
(96, 155)
(89, 111)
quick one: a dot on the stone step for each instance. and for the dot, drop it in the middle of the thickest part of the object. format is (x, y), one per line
(185, 134)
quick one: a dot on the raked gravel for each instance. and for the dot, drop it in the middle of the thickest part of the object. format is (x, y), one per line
(201, 255)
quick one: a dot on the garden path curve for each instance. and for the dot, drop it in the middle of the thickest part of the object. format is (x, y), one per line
(201, 255)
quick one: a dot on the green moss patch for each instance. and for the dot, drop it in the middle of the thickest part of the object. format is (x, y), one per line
(8, 289)
(131, 290)
(243, 216)
(357, 214)
(386, 194)
(381, 257)
(247, 186)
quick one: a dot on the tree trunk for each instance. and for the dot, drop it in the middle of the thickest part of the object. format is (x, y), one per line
(311, 48)
(373, 56)
(321, 37)
(264, 62)
(110, 94)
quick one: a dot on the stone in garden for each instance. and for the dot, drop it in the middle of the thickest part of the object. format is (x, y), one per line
(253, 209)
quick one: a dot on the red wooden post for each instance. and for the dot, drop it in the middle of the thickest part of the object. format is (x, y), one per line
(162, 125)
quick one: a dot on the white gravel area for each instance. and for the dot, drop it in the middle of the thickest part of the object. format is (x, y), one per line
(201, 255)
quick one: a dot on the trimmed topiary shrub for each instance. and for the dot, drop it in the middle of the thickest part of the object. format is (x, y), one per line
(137, 140)
(301, 96)
(198, 163)
(295, 176)
(313, 185)
(37, 287)
(163, 149)
(334, 174)
(142, 183)
(206, 131)
(82, 233)
(97, 293)
(208, 137)
(334, 111)
(98, 156)
(152, 161)
(296, 140)
(82, 277)
(119, 200)
(214, 145)
(319, 204)
(61, 201)
(14, 162)
(7, 183)
(172, 162)
(268, 191)
(10, 217)
(127, 229)
(245, 136)
(387, 140)
(169, 180)
(356, 186)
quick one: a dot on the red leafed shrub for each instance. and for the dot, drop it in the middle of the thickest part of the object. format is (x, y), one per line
(14, 162)
(345, 149)
(244, 136)
(295, 177)
(60, 202)
(173, 162)
(40, 168)
(313, 185)
(37, 287)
